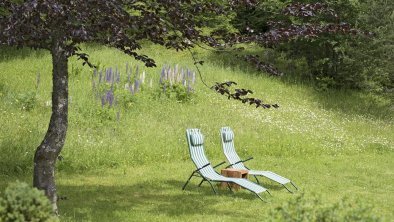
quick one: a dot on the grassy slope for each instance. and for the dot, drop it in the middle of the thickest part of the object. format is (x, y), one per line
(332, 143)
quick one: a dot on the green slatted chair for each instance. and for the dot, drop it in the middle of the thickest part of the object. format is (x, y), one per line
(227, 137)
(207, 172)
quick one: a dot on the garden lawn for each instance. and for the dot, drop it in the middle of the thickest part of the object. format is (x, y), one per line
(129, 163)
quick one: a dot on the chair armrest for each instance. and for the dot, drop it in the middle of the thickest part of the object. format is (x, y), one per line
(250, 158)
(219, 164)
(241, 161)
(202, 167)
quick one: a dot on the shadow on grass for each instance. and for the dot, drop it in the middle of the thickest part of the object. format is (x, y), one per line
(344, 101)
(355, 102)
(114, 203)
(8, 53)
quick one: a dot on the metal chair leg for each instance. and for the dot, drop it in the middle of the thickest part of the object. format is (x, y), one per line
(261, 198)
(212, 187)
(287, 188)
(229, 187)
(201, 182)
(256, 179)
(294, 185)
(184, 186)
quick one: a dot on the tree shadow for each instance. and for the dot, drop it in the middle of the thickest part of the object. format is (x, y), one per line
(99, 203)
(347, 101)
(352, 102)
(9, 53)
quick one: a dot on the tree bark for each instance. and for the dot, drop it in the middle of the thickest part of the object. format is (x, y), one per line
(47, 152)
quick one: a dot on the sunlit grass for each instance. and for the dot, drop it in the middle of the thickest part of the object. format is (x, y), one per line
(335, 143)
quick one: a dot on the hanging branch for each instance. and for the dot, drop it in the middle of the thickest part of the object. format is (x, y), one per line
(260, 65)
(240, 95)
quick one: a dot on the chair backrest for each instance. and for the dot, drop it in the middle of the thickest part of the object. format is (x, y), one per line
(195, 140)
(227, 137)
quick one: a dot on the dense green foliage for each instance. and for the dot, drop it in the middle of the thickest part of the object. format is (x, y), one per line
(375, 57)
(21, 202)
(333, 60)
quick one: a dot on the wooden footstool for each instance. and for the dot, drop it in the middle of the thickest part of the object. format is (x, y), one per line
(235, 173)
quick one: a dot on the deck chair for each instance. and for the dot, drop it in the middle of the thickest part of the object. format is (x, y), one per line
(227, 137)
(207, 172)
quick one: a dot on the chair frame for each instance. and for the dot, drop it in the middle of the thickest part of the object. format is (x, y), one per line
(198, 173)
(240, 161)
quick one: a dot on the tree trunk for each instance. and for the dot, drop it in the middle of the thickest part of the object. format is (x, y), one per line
(49, 149)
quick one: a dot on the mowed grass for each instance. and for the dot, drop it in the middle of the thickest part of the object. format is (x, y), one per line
(333, 143)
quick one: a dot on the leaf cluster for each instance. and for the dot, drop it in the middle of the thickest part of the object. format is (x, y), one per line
(240, 95)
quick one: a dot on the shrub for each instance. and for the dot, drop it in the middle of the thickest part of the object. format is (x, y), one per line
(21, 202)
(306, 209)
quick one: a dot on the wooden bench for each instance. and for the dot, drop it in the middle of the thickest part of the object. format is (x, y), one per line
(235, 173)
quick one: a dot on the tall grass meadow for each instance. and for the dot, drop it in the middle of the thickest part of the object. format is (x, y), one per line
(126, 135)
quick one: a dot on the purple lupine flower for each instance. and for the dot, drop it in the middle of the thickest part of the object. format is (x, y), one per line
(162, 75)
(193, 77)
(118, 77)
(103, 102)
(178, 78)
(131, 88)
(183, 77)
(136, 84)
(169, 73)
(93, 84)
(142, 79)
(113, 76)
(110, 97)
(116, 74)
(101, 76)
(136, 72)
(175, 69)
(94, 72)
(109, 74)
